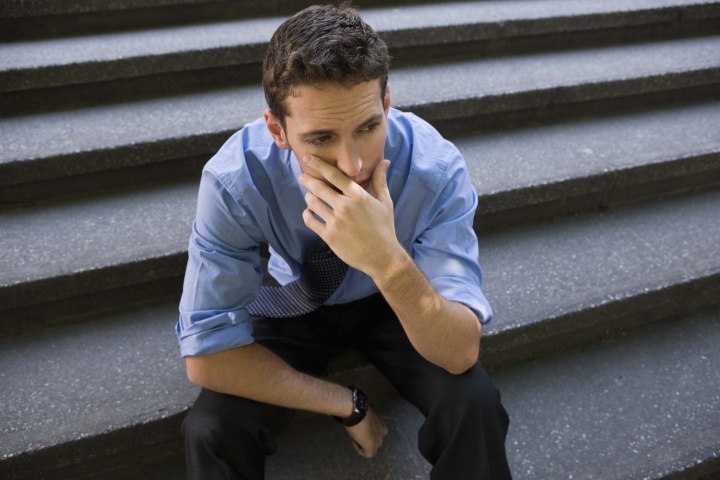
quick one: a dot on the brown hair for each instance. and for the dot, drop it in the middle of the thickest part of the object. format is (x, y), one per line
(322, 44)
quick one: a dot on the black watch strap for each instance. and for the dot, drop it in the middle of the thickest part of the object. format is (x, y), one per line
(360, 408)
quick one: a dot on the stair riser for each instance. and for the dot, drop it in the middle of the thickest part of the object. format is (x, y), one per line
(588, 324)
(92, 289)
(609, 189)
(100, 456)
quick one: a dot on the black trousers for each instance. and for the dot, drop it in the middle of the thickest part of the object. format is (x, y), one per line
(463, 435)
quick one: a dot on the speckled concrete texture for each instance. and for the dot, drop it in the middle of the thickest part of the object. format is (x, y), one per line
(522, 167)
(532, 275)
(641, 406)
(570, 269)
(79, 238)
(495, 85)
(601, 348)
(53, 145)
(40, 64)
(87, 379)
(511, 169)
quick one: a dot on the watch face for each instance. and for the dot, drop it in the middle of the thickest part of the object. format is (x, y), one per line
(360, 408)
(361, 402)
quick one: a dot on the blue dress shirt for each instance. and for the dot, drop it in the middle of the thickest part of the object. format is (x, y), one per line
(249, 195)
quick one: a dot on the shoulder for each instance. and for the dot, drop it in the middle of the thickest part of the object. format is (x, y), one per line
(429, 157)
(247, 155)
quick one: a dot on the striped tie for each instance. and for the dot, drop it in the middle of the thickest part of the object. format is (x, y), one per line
(320, 275)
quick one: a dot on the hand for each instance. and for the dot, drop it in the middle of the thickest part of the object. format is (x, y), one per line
(358, 226)
(368, 435)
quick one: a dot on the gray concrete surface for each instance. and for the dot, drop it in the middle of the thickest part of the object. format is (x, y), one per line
(133, 133)
(82, 400)
(39, 64)
(641, 406)
(95, 377)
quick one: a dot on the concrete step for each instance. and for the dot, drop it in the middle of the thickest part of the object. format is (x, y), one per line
(438, 30)
(534, 172)
(103, 252)
(94, 398)
(178, 134)
(21, 20)
(646, 400)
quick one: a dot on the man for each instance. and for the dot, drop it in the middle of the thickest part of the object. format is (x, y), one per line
(331, 164)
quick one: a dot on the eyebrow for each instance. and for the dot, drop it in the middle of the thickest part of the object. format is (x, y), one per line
(317, 133)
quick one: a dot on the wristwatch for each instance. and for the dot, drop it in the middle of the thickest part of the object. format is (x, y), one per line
(360, 408)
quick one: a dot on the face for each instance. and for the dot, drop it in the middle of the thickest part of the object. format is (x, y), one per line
(345, 127)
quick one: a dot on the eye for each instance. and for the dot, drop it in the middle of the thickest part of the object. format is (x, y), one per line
(320, 140)
(369, 128)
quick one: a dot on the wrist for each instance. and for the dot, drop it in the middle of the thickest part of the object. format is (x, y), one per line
(360, 406)
(391, 266)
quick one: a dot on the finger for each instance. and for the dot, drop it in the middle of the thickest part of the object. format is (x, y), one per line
(317, 186)
(318, 206)
(379, 181)
(312, 222)
(333, 176)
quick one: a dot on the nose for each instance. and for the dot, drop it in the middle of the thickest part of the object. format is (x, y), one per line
(348, 160)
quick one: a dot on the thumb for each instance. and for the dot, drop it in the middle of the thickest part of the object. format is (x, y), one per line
(379, 180)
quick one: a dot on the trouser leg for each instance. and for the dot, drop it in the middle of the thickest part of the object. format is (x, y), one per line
(465, 424)
(228, 437)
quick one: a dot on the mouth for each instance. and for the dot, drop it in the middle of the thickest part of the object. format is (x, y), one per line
(365, 184)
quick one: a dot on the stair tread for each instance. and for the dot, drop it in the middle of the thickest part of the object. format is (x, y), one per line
(603, 153)
(90, 378)
(648, 398)
(72, 237)
(538, 272)
(647, 401)
(83, 140)
(50, 241)
(170, 47)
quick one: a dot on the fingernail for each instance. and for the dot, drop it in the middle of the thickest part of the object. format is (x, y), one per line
(307, 158)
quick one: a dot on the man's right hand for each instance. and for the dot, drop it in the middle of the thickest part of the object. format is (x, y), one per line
(368, 435)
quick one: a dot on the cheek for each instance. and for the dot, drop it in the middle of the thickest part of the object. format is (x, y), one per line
(375, 151)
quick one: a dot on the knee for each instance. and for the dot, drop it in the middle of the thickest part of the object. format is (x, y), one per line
(473, 389)
(469, 394)
(201, 428)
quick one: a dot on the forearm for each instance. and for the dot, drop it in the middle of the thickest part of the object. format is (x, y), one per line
(254, 372)
(359, 227)
(446, 333)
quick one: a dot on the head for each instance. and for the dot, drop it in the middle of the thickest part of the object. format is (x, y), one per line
(318, 46)
(325, 78)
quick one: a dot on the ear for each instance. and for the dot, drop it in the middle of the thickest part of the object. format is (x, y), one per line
(276, 130)
(386, 99)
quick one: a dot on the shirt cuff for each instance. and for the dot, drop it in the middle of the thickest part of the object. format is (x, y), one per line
(458, 290)
(226, 331)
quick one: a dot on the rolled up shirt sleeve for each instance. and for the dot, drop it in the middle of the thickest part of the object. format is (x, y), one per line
(223, 273)
(446, 251)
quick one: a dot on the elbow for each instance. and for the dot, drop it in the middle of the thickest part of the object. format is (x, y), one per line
(466, 359)
(195, 371)
(462, 365)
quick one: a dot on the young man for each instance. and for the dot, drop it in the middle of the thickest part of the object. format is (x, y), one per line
(331, 164)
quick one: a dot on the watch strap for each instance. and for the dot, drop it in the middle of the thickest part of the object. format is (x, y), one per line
(360, 408)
